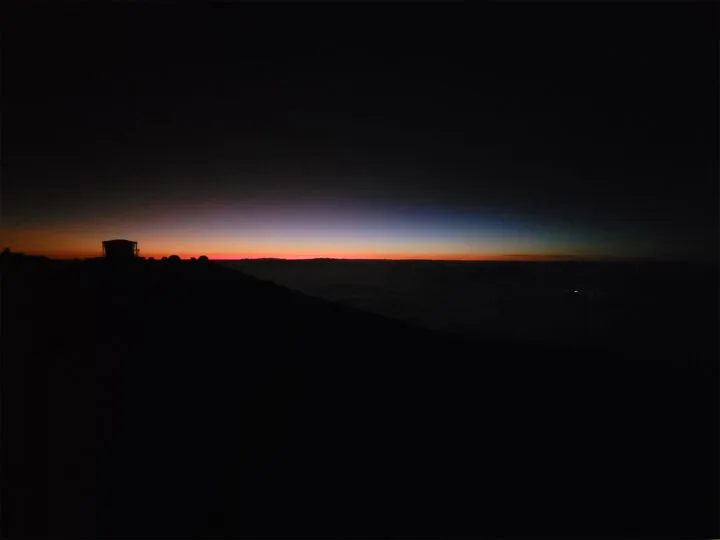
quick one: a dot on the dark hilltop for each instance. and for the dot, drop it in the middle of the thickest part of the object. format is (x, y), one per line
(184, 399)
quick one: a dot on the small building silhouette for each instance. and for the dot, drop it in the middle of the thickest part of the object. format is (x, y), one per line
(120, 250)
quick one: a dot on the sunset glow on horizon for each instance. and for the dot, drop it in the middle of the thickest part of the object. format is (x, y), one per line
(68, 246)
(357, 142)
(297, 232)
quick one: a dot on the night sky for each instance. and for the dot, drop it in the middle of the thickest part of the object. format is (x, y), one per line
(446, 131)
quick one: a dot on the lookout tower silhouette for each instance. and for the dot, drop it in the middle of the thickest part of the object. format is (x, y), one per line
(120, 250)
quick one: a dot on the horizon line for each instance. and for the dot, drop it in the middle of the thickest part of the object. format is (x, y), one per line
(500, 258)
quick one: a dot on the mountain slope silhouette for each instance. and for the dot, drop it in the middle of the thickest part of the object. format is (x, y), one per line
(184, 399)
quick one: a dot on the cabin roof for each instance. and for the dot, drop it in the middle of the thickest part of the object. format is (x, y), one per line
(118, 241)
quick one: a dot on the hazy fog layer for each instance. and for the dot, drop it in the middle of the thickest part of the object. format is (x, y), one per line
(550, 301)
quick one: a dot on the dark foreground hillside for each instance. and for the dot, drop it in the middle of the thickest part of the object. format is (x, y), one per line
(187, 400)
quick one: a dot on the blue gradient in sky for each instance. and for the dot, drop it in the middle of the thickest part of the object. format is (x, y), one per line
(280, 223)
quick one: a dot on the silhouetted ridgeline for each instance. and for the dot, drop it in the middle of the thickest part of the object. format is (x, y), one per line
(184, 399)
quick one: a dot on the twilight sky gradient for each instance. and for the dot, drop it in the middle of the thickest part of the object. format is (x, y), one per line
(369, 131)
